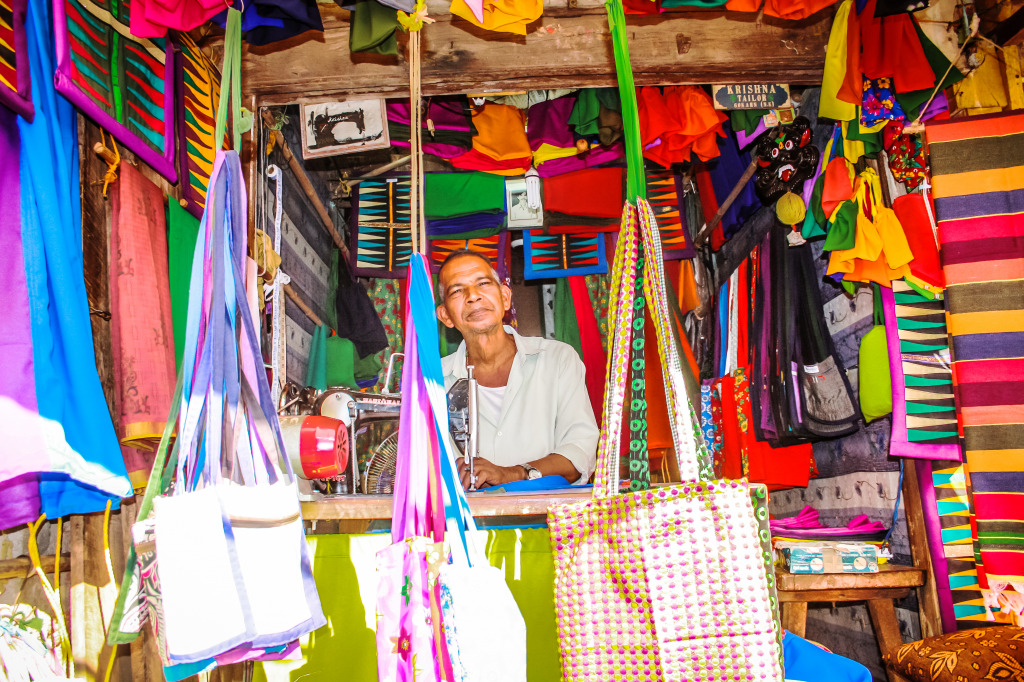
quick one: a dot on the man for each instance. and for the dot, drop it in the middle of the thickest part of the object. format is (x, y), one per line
(535, 416)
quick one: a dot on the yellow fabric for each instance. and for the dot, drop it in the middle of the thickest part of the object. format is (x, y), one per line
(830, 106)
(881, 252)
(549, 152)
(983, 91)
(852, 149)
(510, 16)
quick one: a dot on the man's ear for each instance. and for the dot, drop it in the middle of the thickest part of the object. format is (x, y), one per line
(442, 314)
(506, 294)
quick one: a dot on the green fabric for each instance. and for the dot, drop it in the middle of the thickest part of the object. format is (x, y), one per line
(815, 220)
(872, 141)
(368, 367)
(567, 329)
(182, 231)
(636, 180)
(339, 362)
(372, 28)
(451, 195)
(692, 3)
(746, 120)
(316, 367)
(874, 377)
(842, 231)
(912, 101)
(344, 569)
(584, 113)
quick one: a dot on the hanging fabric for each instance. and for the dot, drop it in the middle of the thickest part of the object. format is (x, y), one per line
(381, 238)
(198, 87)
(15, 78)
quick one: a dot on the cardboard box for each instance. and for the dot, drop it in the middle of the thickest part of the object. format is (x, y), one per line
(828, 557)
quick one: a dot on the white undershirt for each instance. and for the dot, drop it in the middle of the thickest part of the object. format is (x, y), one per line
(490, 401)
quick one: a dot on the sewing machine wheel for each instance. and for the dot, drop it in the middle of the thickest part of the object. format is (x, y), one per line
(379, 477)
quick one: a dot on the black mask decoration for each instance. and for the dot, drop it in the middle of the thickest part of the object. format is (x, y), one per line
(785, 158)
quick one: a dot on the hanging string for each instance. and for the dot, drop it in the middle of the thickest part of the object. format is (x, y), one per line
(414, 23)
(975, 23)
(110, 176)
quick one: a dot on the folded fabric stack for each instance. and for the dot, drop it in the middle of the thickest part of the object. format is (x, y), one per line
(553, 141)
(807, 527)
(448, 128)
(678, 121)
(464, 205)
(585, 201)
(500, 145)
(494, 248)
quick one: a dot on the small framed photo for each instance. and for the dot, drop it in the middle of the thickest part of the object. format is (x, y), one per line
(520, 215)
(333, 128)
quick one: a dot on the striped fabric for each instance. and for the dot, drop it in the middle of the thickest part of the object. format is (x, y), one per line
(492, 247)
(665, 196)
(978, 185)
(198, 84)
(382, 238)
(928, 380)
(15, 84)
(126, 84)
(563, 255)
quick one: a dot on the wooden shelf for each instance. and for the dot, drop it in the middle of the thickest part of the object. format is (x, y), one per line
(888, 577)
(483, 505)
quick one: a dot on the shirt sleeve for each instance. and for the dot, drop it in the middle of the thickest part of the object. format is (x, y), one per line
(576, 432)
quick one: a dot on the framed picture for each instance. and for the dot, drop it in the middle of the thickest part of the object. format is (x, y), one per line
(333, 128)
(520, 215)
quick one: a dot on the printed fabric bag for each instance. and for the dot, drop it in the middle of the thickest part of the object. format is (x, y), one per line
(223, 568)
(635, 573)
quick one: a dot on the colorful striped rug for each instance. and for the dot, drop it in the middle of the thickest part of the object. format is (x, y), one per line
(978, 185)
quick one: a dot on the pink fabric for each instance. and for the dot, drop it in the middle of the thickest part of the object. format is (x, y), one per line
(156, 16)
(142, 330)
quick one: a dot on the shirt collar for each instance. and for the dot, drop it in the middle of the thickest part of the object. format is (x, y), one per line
(525, 345)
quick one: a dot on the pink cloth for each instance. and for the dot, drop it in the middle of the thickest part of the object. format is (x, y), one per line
(152, 18)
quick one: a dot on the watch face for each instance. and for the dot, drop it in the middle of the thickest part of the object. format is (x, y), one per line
(533, 474)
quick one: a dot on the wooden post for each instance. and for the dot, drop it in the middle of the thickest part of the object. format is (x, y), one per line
(927, 594)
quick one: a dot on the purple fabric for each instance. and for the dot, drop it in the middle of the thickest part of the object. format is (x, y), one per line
(743, 140)
(939, 105)
(806, 524)
(549, 122)
(598, 156)
(449, 227)
(443, 151)
(446, 113)
(19, 492)
(161, 163)
(933, 529)
(899, 446)
(765, 345)
(725, 172)
(20, 100)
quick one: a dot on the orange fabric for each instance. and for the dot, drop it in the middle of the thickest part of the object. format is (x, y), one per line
(682, 120)
(852, 88)
(689, 298)
(838, 186)
(501, 132)
(783, 9)
(509, 16)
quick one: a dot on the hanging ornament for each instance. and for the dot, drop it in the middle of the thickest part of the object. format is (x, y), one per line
(785, 159)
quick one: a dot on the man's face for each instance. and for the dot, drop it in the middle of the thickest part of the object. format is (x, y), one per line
(474, 301)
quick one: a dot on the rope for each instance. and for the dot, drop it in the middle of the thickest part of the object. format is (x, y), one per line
(414, 24)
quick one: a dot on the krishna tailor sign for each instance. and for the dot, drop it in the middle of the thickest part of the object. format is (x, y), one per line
(755, 96)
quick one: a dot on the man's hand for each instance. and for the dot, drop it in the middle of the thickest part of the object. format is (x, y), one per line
(488, 473)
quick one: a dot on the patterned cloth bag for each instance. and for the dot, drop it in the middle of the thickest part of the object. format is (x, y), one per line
(635, 573)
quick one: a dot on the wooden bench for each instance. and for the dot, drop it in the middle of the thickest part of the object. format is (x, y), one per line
(879, 590)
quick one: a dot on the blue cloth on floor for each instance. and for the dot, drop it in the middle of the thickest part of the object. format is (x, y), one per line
(807, 662)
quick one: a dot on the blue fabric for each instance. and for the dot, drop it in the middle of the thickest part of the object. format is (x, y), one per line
(542, 483)
(65, 363)
(725, 172)
(806, 662)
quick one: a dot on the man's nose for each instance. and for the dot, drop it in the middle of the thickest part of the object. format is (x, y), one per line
(472, 293)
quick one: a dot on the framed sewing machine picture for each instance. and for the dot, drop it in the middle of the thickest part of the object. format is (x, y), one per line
(345, 127)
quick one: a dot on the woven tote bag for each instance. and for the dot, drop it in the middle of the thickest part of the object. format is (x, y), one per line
(668, 583)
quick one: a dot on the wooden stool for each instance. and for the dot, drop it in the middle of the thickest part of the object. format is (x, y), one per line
(877, 589)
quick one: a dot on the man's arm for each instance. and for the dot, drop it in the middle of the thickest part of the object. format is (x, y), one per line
(487, 473)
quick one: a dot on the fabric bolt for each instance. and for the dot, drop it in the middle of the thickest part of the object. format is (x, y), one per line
(982, 251)
(906, 155)
(15, 79)
(448, 116)
(467, 227)
(382, 237)
(595, 108)
(477, 160)
(880, 102)
(68, 439)
(553, 140)
(678, 122)
(591, 196)
(142, 329)
(500, 132)
(566, 329)
(125, 84)
(155, 17)
(453, 195)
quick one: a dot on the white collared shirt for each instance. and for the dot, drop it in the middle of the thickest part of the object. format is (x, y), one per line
(546, 408)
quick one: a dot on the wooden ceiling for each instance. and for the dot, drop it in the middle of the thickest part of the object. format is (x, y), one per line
(567, 47)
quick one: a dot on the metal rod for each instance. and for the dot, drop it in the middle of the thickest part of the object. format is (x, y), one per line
(705, 231)
(472, 445)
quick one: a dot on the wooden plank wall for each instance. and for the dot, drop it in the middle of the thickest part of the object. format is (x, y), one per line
(565, 48)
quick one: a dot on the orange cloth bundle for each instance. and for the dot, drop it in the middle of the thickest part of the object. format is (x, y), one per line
(510, 16)
(679, 121)
(500, 145)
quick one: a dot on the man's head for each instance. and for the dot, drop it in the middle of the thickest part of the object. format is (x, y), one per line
(473, 300)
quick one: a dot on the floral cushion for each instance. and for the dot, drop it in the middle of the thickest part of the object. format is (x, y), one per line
(993, 653)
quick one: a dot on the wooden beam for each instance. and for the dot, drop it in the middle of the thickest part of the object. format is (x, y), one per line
(1009, 31)
(21, 567)
(567, 48)
(927, 594)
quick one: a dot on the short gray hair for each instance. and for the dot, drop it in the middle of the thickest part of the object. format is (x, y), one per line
(456, 254)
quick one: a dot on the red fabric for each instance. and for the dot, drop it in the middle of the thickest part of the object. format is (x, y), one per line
(152, 18)
(590, 341)
(642, 7)
(678, 122)
(476, 160)
(890, 47)
(913, 216)
(783, 9)
(708, 202)
(837, 186)
(732, 438)
(592, 192)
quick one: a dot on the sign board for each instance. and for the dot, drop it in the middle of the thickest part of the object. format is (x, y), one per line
(751, 96)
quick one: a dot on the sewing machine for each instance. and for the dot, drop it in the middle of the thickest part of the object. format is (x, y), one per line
(324, 432)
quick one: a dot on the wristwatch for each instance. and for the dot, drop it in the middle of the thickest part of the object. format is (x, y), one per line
(532, 473)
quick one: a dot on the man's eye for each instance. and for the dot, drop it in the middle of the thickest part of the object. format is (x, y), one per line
(455, 292)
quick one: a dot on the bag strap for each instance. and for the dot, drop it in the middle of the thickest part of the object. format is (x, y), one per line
(638, 462)
(231, 75)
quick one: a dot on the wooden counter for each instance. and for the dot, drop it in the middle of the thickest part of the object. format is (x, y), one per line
(483, 505)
